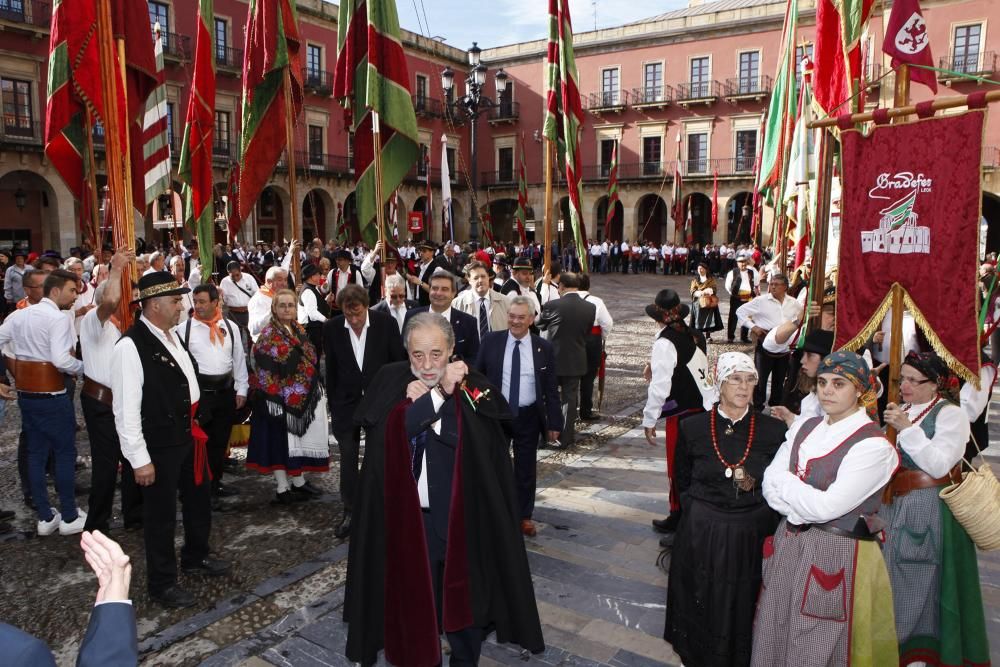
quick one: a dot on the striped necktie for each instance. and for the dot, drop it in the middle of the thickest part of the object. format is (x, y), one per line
(484, 319)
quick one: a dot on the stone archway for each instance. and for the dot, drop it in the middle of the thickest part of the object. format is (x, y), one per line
(30, 217)
(652, 219)
(739, 218)
(699, 207)
(272, 208)
(502, 212)
(318, 215)
(616, 229)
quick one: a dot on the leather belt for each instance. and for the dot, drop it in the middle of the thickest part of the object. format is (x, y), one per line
(238, 309)
(215, 382)
(96, 391)
(39, 377)
(857, 534)
(596, 331)
(907, 480)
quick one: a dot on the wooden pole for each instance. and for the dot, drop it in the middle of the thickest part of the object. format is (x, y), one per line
(821, 226)
(908, 110)
(91, 185)
(290, 152)
(379, 202)
(547, 219)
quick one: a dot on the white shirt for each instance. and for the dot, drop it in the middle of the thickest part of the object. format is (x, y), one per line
(187, 305)
(398, 313)
(767, 312)
(866, 468)
(422, 491)
(973, 400)
(526, 382)
(663, 361)
(936, 456)
(342, 278)
(910, 341)
(748, 279)
(97, 346)
(548, 292)
(603, 316)
(309, 312)
(233, 296)
(126, 390)
(258, 314)
(42, 333)
(215, 359)
(358, 342)
(83, 299)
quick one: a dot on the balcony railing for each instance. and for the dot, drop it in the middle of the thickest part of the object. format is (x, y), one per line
(748, 86)
(228, 57)
(451, 115)
(498, 178)
(176, 46)
(220, 149)
(698, 91)
(652, 95)
(691, 169)
(984, 62)
(422, 175)
(26, 12)
(20, 132)
(317, 81)
(607, 99)
(505, 111)
(329, 164)
(426, 107)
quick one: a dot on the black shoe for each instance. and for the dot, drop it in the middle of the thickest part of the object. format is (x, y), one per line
(225, 490)
(307, 489)
(29, 502)
(344, 529)
(592, 417)
(287, 498)
(730, 339)
(667, 541)
(208, 567)
(667, 525)
(174, 597)
(7, 514)
(745, 341)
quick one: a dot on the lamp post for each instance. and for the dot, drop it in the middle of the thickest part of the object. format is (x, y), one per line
(472, 104)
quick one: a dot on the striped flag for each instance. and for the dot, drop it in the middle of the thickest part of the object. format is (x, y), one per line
(522, 198)
(781, 110)
(612, 192)
(563, 111)
(342, 235)
(372, 76)
(715, 200)
(428, 198)
(233, 221)
(678, 203)
(799, 197)
(688, 224)
(272, 46)
(195, 168)
(839, 25)
(446, 223)
(393, 212)
(155, 142)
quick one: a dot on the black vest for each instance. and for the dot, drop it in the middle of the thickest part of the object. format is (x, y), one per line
(166, 397)
(321, 305)
(683, 388)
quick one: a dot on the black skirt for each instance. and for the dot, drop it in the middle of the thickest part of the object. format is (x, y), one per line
(715, 577)
(705, 320)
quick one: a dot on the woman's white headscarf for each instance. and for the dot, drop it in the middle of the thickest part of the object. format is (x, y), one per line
(732, 362)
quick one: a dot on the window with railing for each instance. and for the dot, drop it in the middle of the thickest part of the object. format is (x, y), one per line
(749, 74)
(746, 149)
(221, 40)
(221, 140)
(450, 152)
(609, 86)
(350, 151)
(170, 124)
(17, 114)
(607, 151)
(652, 82)
(314, 63)
(505, 164)
(700, 77)
(652, 156)
(420, 98)
(12, 10)
(505, 101)
(422, 163)
(315, 144)
(966, 48)
(697, 153)
(159, 12)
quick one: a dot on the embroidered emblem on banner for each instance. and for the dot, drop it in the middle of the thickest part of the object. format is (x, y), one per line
(898, 232)
(912, 37)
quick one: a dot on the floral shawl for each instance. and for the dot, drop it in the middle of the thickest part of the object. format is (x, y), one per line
(286, 374)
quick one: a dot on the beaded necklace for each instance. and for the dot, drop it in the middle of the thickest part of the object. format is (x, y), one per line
(923, 414)
(735, 471)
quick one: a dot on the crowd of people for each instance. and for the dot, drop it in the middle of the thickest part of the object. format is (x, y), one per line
(798, 533)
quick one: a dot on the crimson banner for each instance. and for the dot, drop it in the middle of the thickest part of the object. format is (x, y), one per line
(415, 221)
(910, 215)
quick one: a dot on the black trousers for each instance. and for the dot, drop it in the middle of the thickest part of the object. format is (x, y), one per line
(569, 392)
(349, 443)
(594, 346)
(315, 333)
(466, 644)
(769, 367)
(106, 455)
(731, 323)
(527, 426)
(174, 473)
(216, 411)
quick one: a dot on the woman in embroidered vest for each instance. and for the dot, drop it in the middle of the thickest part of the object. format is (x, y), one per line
(825, 598)
(705, 315)
(716, 560)
(931, 560)
(288, 428)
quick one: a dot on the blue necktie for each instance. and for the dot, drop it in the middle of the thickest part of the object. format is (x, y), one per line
(417, 446)
(484, 319)
(515, 379)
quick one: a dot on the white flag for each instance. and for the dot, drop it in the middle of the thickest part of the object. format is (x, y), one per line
(445, 191)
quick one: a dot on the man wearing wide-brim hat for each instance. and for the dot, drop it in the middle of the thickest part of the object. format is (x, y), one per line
(420, 284)
(155, 400)
(679, 385)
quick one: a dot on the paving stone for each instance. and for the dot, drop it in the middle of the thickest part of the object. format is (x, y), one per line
(196, 623)
(587, 603)
(597, 581)
(649, 502)
(624, 658)
(299, 652)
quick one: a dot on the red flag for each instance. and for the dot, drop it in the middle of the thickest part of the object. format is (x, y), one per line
(837, 52)
(910, 209)
(232, 196)
(908, 42)
(715, 200)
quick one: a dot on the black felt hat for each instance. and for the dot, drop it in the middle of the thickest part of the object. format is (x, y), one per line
(159, 283)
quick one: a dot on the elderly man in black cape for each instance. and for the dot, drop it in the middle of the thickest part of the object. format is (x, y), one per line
(436, 545)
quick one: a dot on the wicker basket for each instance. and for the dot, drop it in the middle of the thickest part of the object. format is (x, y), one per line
(975, 502)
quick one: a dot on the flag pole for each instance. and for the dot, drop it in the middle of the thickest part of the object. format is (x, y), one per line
(290, 152)
(95, 216)
(119, 199)
(824, 192)
(547, 220)
(377, 161)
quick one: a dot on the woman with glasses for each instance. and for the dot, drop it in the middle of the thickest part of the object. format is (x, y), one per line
(716, 560)
(931, 560)
(825, 597)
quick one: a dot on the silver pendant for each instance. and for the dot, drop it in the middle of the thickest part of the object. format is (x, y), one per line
(729, 430)
(729, 473)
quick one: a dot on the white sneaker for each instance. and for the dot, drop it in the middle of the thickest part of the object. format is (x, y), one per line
(50, 526)
(73, 527)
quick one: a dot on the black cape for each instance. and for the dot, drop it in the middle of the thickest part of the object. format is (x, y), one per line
(503, 597)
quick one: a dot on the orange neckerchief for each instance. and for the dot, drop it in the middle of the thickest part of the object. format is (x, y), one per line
(215, 335)
(23, 303)
(267, 291)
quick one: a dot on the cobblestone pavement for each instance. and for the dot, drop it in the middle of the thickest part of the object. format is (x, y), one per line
(594, 562)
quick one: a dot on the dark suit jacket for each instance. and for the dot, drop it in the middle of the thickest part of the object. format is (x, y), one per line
(420, 416)
(110, 641)
(466, 330)
(383, 307)
(423, 296)
(569, 320)
(345, 382)
(490, 363)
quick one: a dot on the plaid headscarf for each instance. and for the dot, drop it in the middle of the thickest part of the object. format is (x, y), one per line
(853, 366)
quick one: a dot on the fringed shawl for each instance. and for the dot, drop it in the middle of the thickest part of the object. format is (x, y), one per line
(286, 374)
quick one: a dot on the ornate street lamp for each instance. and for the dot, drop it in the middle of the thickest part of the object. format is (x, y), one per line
(20, 198)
